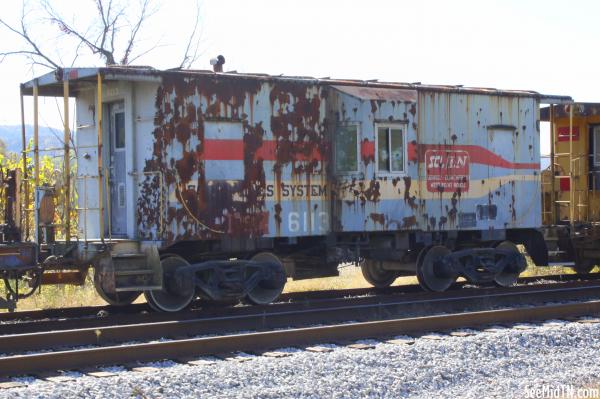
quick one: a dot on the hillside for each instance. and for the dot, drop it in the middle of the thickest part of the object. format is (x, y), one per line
(11, 135)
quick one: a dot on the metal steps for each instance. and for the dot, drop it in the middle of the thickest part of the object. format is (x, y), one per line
(135, 269)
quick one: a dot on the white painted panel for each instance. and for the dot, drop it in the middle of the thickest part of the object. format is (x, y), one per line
(223, 130)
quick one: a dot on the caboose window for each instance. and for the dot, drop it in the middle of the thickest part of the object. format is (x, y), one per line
(390, 148)
(346, 148)
(120, 130)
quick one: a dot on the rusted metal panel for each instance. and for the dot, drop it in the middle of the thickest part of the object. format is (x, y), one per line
(368, 199)
(241, 158)
(472, 163)
(489, 147)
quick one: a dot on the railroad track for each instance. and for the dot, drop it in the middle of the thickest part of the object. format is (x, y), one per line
(347, 319)
(135, 309)
(419, 302)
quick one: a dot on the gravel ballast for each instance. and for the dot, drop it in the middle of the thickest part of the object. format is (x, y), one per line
(498, 363)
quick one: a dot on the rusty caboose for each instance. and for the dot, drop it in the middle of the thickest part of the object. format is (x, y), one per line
(221, 185)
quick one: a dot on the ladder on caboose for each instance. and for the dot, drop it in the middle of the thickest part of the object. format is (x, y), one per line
(577, 202)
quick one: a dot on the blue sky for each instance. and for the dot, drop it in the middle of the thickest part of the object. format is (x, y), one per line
(547, 46)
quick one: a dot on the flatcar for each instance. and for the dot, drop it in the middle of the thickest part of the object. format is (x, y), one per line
(191, 183)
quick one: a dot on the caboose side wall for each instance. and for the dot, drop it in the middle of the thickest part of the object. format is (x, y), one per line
(478, 162)
(209, 159)
(242, 158)
(369, 199)
(472, 163)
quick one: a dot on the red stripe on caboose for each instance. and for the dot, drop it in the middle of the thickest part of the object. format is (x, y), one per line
(233, 150)
(477, 154)
(367, 149)
(223, 150)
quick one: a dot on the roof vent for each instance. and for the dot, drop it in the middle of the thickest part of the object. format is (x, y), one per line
(217, 63)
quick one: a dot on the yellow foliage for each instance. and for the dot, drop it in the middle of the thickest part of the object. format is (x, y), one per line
(51, 173)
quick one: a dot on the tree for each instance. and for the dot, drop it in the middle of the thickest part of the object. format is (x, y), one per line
(113, 36)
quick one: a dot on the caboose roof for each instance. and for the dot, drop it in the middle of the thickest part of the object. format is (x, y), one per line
(579, 109)
(379, 93)
(51, 83)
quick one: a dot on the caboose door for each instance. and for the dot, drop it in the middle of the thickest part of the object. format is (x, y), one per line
(118, 203)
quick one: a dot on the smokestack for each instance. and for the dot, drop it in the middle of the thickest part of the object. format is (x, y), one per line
(217, 63)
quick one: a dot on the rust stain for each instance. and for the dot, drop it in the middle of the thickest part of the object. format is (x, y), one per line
(512, 204)
(373, 106)
(278, 217)
(413, 109)
(409, 222)
(378, 218)
(453, 211)
(372, 193)
(443, 221)
(411, 201)
(432, 222)
(206, 209)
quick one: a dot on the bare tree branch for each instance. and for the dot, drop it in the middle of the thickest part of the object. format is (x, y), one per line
(35, 51)
(191, 54)
(69, 30)
(114, 35)
(76, 54)
(136, 28)
(143, 53)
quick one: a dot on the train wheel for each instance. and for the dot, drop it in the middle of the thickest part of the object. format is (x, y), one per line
(376, 275)
(507, 278)
(267, 291)
(117, 298)
(429, 274)
(171, 299)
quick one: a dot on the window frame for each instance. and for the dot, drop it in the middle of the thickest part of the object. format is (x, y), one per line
(596, 155)
(358, 135)
(403, 126)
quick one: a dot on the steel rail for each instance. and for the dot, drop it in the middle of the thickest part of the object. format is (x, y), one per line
(92, 311)
(351, 309)
(185, 348)
(148, 317)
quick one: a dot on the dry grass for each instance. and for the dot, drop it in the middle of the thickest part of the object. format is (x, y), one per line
(537, 271)
(350, 277)
(61, 296)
